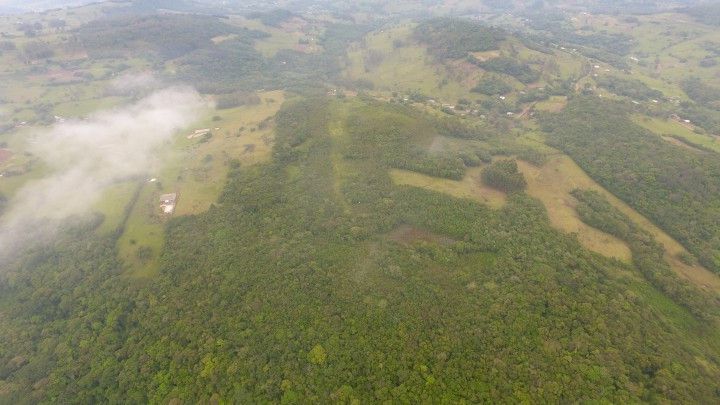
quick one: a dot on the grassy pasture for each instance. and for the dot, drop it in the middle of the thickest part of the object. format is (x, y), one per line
(669, 48)
(665, 127)
(113, 203)
(196, 170)
(408, 67)
(552, 184)
(553, 104)
(280, 38)
(561, 174)
(469, 187)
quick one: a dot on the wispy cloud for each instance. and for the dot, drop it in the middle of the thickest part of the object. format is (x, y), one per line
(86, 156)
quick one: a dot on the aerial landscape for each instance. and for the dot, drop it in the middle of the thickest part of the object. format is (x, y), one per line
(375, 201)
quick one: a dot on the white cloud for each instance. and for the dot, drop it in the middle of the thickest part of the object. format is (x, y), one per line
(88, 155)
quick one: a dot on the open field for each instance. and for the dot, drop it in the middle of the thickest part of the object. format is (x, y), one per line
(669, 47)
(287, 37)
(670, 127)
(553, 104)
(406, 68)
(113, 204)
(144, 230)
(552, 184)
(469, 187)
(196, 169)
(562, 175)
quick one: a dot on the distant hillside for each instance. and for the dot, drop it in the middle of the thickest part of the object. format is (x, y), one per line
(15, 6)
(705, 13)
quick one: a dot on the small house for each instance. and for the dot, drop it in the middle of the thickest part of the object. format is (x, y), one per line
(167, 203)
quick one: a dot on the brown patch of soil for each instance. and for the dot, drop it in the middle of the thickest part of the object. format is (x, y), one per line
(407, 235)
(5, 155)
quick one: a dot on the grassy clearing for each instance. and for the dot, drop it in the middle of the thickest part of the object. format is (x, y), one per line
(113, 204)
(669, 47)
(469, 187)
(552, 184)
(664, 127)
(553, 104)
(197, 171)
(144, 230)
(568, 175)
(280, 38)
(408, 67)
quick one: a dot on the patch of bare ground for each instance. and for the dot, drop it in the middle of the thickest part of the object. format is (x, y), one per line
(407, 235)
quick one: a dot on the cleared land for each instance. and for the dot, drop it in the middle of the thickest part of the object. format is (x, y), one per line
(552, 184)
(563, 175)
(671, 127)
(469, 187)
(196, 169)
(405, 68)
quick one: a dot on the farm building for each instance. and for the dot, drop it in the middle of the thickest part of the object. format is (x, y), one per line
(198, 133)
(167, 203)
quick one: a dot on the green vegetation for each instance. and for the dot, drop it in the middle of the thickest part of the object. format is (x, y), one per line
(676, 130)
(273, 18)
(301, 297)
(454, 38)
(504, 176)
(671, 185)
(510, 66)
(648, 254)
(381, 210)
(705, 13)
(226, 66)
(169, 36)
(702, 92)
(492, 86)
(236, 99)
(632, 88)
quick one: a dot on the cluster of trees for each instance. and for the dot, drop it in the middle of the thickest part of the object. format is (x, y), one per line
(701, 92)
(7, 46)
(674, 186)
(236, 99)
(273, 18)
(504, 175)
(492, 86)
(708, 13)
(554, 25)
(509, 66)
(632, 88)
(290, 290)
(35, 50)
(647, 253)
(396, 126)
(228, 66)
(702, 116)
(449, 38)
(168, 36)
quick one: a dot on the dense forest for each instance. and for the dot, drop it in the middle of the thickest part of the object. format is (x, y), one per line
(390, 203)
(674, 186)
(302, 285)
